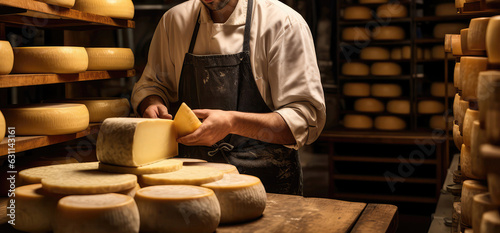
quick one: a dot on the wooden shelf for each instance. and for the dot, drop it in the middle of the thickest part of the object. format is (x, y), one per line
(403, 2)
(388, 198)
(374, 160)
(375, 113)
(372, 136)
(371, 21)
(43, 15)
(24, 143)
(377, 42)
(429, 41)
(479, 7)
(373, 61)
(371, 77)
(19, 80)
(382, 179)
(457, 17)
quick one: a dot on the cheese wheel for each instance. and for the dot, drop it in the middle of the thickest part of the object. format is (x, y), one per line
(481, 203)
(356, 89)
(492, 45)
(484, 90)
(130, 192)
(492, 121)
(398, 106)
(470, 188)
(386, 90)
(441, 29)
(352, 121)
(389, 123)
(392, 10)
(163, 166)
(462, 108)
(355, 69)
(491, 157)
(375, 53)
(456, 104)
(457, 138)
(63, 3)
(61, 60)
(456, 45)
(447, 43)
(368, 105)
(36, 174)
(430, 107)
(222, 167)
(186, 121)
(101, 108)
(110, 58)
(3, 127)
(396, 54)
(476, 37)
(357, 13)
(445, 9)
(456, 77)
(469, 118)
(241, 197)
(388, 33)
(438, 52)
(464, 35)
(372, 1)
(355, 34)
(385, 69)
(490, 223)
(438, 89)
(188, 175)
(121, 9)
(7, 58)
(178, 208)
(478, 137)
(136, 142)
(440, 122)
(406, 52)
(187, 161)
(47, 119)
(109, 212)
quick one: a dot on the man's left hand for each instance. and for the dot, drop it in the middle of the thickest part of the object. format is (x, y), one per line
(217, 124)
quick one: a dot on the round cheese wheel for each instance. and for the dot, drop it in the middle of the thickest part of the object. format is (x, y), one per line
(188, 175)
(3, 127)
(109, 212)
(456, 77)
(163, 166)
(188, 161)
(456, 45)
(481, 203)
(462, 108)
(386, 90)
(110, 58)
(222, 167)
(385, 69)
(101, 108)
(478, 137)
(62, 60)
(392, 10)
(396, 54)
(430, 107)
(388, 33)
(406, 52)
(445, 9)
(457, 138)
(491, 157)
(241, 197)
(492, 35)
(476, 37)
(355, 69)
(469, 118)
(438, 52)
(357, 13)
(352, 121)
(375, 53)
(440, 122)
(121, 9)
(7, 58)
(368, 105)
(63, 3)
(389, 123)
(470, 188)
(484, 90)
(356, 89)
(438, 89)
(490, 223)
(36, 174)
(355, 34)
(398, 106)
(456, 104)
(464, 35)
(178, 208)
(130, 192)
(441, 29)
(373, 1)
(447, 43)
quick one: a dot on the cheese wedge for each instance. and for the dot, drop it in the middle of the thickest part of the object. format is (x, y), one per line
(36, 174)
(222, 167)
(7, 58)
(60, 60)
(121, 9)
(101, 108)
(163, 166)
(188, 175)
(186, 121)
(110, 58)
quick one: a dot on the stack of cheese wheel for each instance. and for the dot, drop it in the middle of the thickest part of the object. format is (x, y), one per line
(441, 29)
(63, 3)
(470, 188)
(464, 36)
(368, 105)
(386, 90)
(102, 108)
(447, 43)
(490, 222)
(469, 75)
(439, 89)
(456, 45)
(385, 69)
(392, 10)
(457, 138)
(355, 69)
(7, 58)
(465, 162)
(481, 204)
(398, 106)
(469, 118)
(355, 34)
(492, 45)
(110, 58)
(355, 121)
(121, 9)
(484, 91)
(445, 9)
(375, 53)
(476, 37)
(356, 89)
(62, 60)
(388, 33)
(478, 137)
(357, 13)
(430, 107)
(491, 156)
(389, 123)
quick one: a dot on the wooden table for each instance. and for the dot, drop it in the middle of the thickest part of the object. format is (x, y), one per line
(287, 213)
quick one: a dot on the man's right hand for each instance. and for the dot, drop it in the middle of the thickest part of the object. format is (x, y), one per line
(153, 107)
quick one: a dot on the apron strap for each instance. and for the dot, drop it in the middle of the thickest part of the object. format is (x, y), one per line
(195, 33)
(248, 23)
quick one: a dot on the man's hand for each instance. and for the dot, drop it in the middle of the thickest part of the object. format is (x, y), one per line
(217, 124)
(153, 107)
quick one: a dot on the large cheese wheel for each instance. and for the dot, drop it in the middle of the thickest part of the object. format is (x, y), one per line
(385, 69)
(437, 52)
(456, 104)
(241, 197)
(492, 45)
(101, 213)
(386, 90)
(368, 105)
(357, 13)
(356, 89)
(470, 117)
(441, 29)
(388, 33)
(163, 166)
(178, 209)
(36, 174)
(470, 188)
(478, 137)
(490, 223)
(456, 76)
(440, 122)
(492, 121)
(185, 121)
(122, 9)
(476, 37)
(3, 127)
(398, 106)
(430, 107)
(469, 75)
(491, 157)
(222, 167)
(481, 204)
(135, 142)
(373, 1)
(456, 45)
(355, 69)
(47, 119)
(188, 175)
(355, 34)
(392, 10)
(396, 54)
(7, 58)
(484, 91)
(375, 53)
(101, 108)
(438, 89)
(353, 121)
(457, 138)
(445, 9)
(464, 36)
(462, 108)
(447, 43)
(63, 60)
(63, 3)
(110, 58)
(389, 123)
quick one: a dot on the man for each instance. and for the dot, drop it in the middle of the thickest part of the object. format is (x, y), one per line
(249, 71)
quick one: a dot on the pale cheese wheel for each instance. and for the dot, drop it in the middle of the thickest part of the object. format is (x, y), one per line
(386, 90)
(462, 108)
(357, 13)
(368, 105)
(121, 9)
(457, 138)
(355, 69)
(447, 43)
(470, 188)
(188, 175)
(186, 121)
(63, 3)
(490, 223)
(375, 53)
(484, 90)
(110, 58)
(438, 89)
(385, 69)
(130, 192)
(373, 1)
(178, 209)
(492, 45)
(406, 52)
(464, 36)
(136, 142)
(241, 197)
(481, 204)
(356, 89)
(47, 119)
(491, 157)
(101, 108)
(60, 60)
(440, 122)
(441, 29)
(3, 127)
(7, 58)
(445, 9)
(469, 118)
(456, 77)
(222, 167)
(456, 45)
(388, 33)
(163, 166)
(398, 106)
(101, 213)
(392, 10)
(389, 123)
(396, 54)
(456, 104)
(478, 137)
(356, 34)
(36, 174)
(430, 107)
(476, 37)
(352, 121)
(437, 52)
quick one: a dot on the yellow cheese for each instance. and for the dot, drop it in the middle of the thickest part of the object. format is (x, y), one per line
(97, 213)
(406, 52)
(491, 157)
(386, 90)
(63, 3)
(440, 122)
(356, 89)
(352, 121)
(47, 119)
(470, 117)
(398, 106)
(389, 123)
(121, 9)
(102, 108)
(447, 43)
(456, 45)
(478, 137)
(469, 75)
(476, 37)
(456, 77)
(178, 208)
(372, 1)
(355, 34)
(430, 107)
(368, 105)
(490, 223)
(7, 58)
(456, 104)
(484, 90)
(163, 166)
(375, 53)
(385, 69)
(222, 167)
(392, 10)
(457, 138)
(438, 89)
(464, 35)
(492, 45)
(135, 142)
(110, 58)
(36, 174)
(241, 197)
(355, 69)
(3, 127)
(481, 204)
(388, 33)
(357, 13)
(438, 52)
(462, 108)
(441, 29)
(445, 9)
(188, 175)
(130, 192)
(465, 162)
(186, 121)
(396, 54)
(63, 60)
(470, 188)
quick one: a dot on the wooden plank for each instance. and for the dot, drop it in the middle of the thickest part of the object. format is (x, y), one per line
(387, 198)
(384, 179)
(377, 218)
(380, 137)
(375, 159)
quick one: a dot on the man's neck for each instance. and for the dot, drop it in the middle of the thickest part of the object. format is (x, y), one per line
(222, 15)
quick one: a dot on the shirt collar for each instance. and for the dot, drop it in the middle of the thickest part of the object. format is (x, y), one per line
(238, 17)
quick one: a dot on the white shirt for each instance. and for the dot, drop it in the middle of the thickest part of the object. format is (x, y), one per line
(282, 56)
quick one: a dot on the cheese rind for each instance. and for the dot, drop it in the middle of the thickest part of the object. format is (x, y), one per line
(357, 13)
(430, 107)
(469, 118)
(36, 174)
(447, 43)
(353, 121)
(389, 123)
(456, 45)
(7, 58)
(386, 90)
(121, 9)
(385, 69)
(110, 58)
(186, 121)
(102, 108)
(222, 167)
(478, 137)
(477, 33)
(438, 89)
(485, 90)
(470, 188)
(355, 69)
(441, 29)
(188, 175)
(3, 127)
(398, 106)
(356, 89)
(457, 138)
(163, 166)
(368, 105)
(464, 36)
(392, 10)
(490, 222)
(60, 60)
(492, 35)
(388, 33)
(375, 53)
(456, 77)
(356, 34)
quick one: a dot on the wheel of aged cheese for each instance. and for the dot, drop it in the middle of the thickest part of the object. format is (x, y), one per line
(462, 108)
(441, 29)
(375, 53)
(398, 106)
(130, 192)
(188, 161)
(386, 90)
(101, 213)
(457, 138)
(163, 166)
(440, 122)
(484, 90)
(438, 89)
(355, 69)
(186, 121)
(464, 35)
(352, 121)
(390, 123)
(445, 9)
(7, 58)
(430, 107)
(396, 54)
(372, 1)
(388, 33)
(36, 174)
(456, 77)
(481, 203)
(188, 175)
(222, 167)
(490, 223)
(63, 3)
(101, 108)
(368, 105)
(438, 52)
(456, 45)
(355, 34)
(121, 9)
(3, 127)
(136, 142)
(456, 105)
(385, 69)
(356, 89)
(492, 45)
(492, 121)
(47, 119)
(469, 118)
(470, 188)
(491, 157)
(392, 10)
(406, 52)
(447, 43)
(61, 60)
(478, 137)
(477, 33)
(110, 58)
(241, 197)
(357, 13)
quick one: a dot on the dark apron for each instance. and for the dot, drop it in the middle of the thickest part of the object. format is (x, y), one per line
(226, 82)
